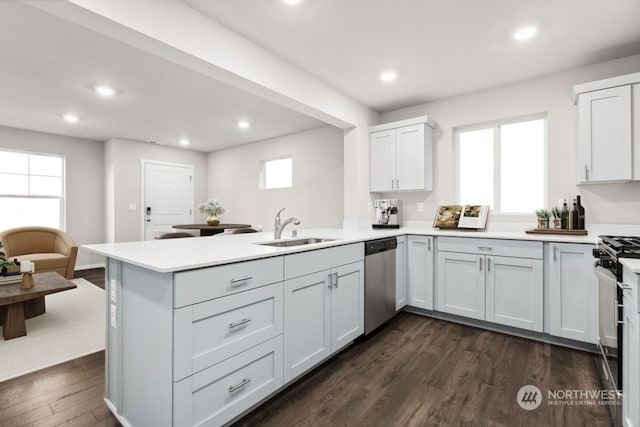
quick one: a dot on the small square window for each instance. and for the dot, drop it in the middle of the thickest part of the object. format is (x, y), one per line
(277, 173)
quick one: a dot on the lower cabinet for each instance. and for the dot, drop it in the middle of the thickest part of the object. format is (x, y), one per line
(461, 287)
(215, 395)
(420, 272)
(631, 350)
(572, 292)
(401, 272)
(507, 290)
(324, 311)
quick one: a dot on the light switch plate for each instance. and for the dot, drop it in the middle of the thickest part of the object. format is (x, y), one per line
(420, 206)
(132, 207)
(113, 316)
(112, 287)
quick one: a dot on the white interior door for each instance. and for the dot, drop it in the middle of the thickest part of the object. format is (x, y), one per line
(167, 196)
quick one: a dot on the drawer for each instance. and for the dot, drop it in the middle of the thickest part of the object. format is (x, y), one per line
(510, 248)
(212, 331)
(299, 264)
(220, 393)
(200, 285)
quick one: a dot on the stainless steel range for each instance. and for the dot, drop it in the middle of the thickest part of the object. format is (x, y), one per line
(608, 271)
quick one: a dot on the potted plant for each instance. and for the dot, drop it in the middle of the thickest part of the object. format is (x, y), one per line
(4, 264)
(213, 208)
(557, 214)
(543, 218)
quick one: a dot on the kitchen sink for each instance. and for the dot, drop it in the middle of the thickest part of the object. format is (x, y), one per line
(295, 242)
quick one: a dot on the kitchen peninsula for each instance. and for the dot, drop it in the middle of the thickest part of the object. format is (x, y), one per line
(201, 330)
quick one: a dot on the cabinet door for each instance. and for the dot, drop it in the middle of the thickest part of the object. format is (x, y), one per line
(410, 158)
(572, 292)
(347, 304)
(420, 272)
(604, 135)
(514, 292)
(630, 366)
(307, 327)
(461, 284)
(401, 272)
(382, 165)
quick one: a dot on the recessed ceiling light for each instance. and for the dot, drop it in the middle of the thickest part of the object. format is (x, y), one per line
(70, 117)
(292, 1)
(184, 141)
(388, 76)
(525, 33)
(104, 90)
(243, 124)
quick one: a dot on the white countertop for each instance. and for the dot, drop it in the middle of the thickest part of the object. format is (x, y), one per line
(632, 264)
(169, 255)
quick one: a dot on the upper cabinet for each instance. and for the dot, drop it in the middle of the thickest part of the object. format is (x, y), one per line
(608, 113)
(401, 156)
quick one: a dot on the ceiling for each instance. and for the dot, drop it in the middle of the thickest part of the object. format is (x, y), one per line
(439, 49)
(49, 66)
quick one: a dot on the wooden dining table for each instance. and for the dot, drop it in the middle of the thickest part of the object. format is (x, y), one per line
(210, 230)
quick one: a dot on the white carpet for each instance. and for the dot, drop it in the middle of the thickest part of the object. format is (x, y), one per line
(72, 326)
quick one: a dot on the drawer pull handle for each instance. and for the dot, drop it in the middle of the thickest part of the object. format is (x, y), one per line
(234, 388)
(239, 281)
(485, 248)
(242, 322)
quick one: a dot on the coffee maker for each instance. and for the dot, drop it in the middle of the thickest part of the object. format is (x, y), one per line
(388, 213)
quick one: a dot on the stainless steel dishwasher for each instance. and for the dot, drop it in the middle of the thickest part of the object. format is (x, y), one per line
(379, 282)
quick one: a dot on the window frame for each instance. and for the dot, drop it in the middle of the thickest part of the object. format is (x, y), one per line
(495, 125)
(262, 181)
(63, 176)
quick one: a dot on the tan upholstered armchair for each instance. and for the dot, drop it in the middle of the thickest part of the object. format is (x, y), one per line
(50, 249)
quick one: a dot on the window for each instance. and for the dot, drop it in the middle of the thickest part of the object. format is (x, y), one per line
(277, 173)
(31, 189)
(503, 165)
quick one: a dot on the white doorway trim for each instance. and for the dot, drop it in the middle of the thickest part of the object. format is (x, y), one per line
(143, 165)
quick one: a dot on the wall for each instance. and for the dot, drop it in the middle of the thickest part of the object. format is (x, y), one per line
(122, 164)
(85, 208)
(180, 34)
(317, 194)
(604, 203)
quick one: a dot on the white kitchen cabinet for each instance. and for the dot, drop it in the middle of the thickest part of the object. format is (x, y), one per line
(324, 311)
(630, 366)
(608, 138)
(477, 279)
(401, 272)
(631, 350)
(514, 295)
(401, 156)
(572, 292)
(420, 272)
(461, 288)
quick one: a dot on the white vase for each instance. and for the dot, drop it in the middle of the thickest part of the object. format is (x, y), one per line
(213, 220)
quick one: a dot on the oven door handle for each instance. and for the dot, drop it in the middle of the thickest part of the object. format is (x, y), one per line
(623, 286)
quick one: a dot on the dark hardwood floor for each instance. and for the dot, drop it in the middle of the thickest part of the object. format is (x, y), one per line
(93, 275)
(419, 371)
(416, 371)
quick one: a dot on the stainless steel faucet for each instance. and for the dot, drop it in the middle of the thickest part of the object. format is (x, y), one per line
(278, 226)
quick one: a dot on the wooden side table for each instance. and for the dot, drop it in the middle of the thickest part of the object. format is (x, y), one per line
(13, 299)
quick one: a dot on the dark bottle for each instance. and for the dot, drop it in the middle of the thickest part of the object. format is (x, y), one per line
(580, 213)
(564, 216)
(573, 217)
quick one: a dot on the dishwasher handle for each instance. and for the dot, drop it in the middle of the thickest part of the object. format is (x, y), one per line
(381, 245)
